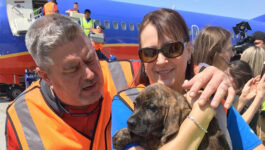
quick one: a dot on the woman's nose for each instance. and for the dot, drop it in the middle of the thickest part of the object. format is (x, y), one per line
(161, 59)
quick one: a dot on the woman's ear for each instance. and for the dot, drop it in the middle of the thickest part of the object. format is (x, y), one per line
(189, 49)
(43, 74)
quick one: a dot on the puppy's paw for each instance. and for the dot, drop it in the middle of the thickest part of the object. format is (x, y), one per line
(121, 139)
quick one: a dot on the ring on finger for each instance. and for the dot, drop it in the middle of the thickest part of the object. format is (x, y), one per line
(226, 84)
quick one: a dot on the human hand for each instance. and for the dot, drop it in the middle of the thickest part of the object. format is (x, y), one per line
(205, 111)
(261, 87)
(249, 90)
(214, 81)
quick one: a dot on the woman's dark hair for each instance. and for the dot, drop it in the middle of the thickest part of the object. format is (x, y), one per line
(169, 24)
(241, 73)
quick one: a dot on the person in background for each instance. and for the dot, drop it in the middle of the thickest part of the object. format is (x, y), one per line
(240, 73)
(86, 22)
(255, 57)
(70, 106)
(213, 46)
(50, 8)
(259, 38)
(98, 46)
(74, 9)
(245, 85)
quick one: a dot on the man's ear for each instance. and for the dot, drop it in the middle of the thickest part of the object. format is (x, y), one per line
(43, 74)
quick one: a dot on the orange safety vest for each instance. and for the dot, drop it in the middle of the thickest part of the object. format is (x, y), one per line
(97, 46)
(49, 8)
(128, 96)
(121, 74)
(37, 126)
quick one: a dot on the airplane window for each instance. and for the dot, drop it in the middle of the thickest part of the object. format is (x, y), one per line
(115, 25)
(131, 25)
(97, 22)
(123, 26)
(138, 27)
(106, 24)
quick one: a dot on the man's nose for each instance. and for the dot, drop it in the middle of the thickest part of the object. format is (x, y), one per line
(88, 73)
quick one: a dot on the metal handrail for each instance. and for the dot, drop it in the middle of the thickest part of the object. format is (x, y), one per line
(38, 13)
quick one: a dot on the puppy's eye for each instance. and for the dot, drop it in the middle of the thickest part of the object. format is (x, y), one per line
(151, 107)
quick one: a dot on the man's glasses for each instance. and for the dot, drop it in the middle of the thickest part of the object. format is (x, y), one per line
(169, 50)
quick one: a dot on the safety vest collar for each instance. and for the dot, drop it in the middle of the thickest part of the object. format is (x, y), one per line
(50, 99)
(55, 103)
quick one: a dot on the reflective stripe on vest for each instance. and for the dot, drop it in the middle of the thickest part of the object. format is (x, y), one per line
(38, 127)
(27, 123)
(49, 8)
(128, 96)
(86, 25)
(121, 74)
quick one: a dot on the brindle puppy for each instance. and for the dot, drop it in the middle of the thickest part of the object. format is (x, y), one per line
(158, 114)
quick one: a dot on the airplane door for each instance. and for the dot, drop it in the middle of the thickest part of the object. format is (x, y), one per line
(194, 31)
(18, 13)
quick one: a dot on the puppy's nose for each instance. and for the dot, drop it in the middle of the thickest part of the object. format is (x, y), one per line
(131, 123)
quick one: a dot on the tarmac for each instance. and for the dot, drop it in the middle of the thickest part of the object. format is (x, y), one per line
(3, 105)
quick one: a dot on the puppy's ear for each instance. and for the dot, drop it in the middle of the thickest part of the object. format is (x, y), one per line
(177, 111)
(171, 122)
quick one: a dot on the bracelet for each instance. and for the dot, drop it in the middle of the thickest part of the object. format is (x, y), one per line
(198, 124)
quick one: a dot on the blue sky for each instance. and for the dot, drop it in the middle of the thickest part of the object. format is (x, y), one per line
(245, 9)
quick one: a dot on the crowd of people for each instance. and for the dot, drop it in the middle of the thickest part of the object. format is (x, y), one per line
(86, 22)
(80, 102)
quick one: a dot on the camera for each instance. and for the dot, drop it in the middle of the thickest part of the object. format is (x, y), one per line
(243, 44)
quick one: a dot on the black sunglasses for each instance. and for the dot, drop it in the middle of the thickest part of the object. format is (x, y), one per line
(170, 50)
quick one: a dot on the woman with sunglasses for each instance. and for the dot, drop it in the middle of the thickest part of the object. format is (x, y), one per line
(165, 54)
